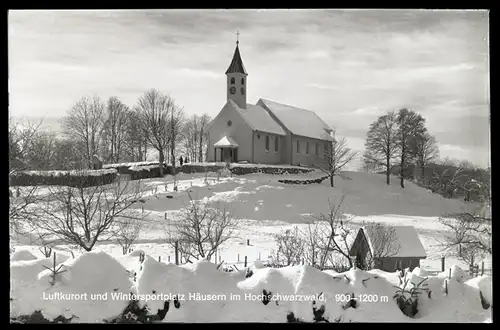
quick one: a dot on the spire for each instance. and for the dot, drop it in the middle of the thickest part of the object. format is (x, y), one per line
(236, 65)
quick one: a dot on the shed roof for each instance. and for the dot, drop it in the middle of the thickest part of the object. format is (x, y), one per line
(406, 238)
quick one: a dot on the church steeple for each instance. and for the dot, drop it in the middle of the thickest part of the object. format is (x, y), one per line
(236, 78)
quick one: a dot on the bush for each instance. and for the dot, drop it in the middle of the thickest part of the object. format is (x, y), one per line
(81, 178)
(407, 298)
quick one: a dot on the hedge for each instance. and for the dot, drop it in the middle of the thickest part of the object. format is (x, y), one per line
(244, 169)
(82, 178)
(146, 172)
(304, 181)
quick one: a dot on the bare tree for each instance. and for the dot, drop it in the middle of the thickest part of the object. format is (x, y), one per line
(202, 140)
(411, 126)
(380, 144)
(68, 156)
(190, 131)
(135, 143)
(468, 236)
(290, 248)
(175, 125)
(426, 151)
(84, 216)
(334, 232)
(43, 152)
(337, 156)
(22, 210)
(42, 239)
(384, 244)
(22, 200)
(22, 136)
(128, 229)
(85, 123)
(156, 111)
(312, 235)
(447, 179)
(115, 129)
(204, 229)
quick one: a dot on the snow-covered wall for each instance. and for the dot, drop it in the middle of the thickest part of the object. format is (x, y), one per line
(96, 287)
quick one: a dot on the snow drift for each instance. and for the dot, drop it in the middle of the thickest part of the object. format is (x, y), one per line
(200, 292)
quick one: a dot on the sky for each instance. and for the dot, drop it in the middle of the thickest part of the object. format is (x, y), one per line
(349, 66)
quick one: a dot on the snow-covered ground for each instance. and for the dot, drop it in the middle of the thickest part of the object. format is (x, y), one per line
(265, 207)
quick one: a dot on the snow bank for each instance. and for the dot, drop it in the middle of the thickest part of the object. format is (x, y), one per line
(83, 290)
(203, 293)
(485, 285)
(22, 255)
(199, 292)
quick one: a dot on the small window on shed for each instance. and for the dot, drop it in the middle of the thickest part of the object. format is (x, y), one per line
(267, 142)
(298, 146)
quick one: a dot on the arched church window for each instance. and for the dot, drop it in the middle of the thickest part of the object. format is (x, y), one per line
(242, 91)
(242, 81)
(233, 81)
(267, 142)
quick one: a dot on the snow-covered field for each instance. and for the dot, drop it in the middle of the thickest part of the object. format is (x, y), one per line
(264, 208)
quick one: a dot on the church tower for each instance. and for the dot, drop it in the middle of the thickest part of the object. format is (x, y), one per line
(237, 80)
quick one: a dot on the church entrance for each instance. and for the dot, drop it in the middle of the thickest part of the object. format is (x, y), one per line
(227, 154)
(226, 149)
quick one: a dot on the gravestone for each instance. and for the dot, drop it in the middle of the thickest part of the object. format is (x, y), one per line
(96, 163)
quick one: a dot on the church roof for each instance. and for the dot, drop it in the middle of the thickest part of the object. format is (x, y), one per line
(259, 119)
(298, 121)
(236, 65)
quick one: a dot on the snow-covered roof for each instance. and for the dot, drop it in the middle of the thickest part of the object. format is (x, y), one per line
(299, 121)
(226, 141)
(406, 238)
(259, 119)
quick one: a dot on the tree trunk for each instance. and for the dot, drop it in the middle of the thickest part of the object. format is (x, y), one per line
(172, 155)
(388, 171)
(331, 181)
(200, 151)
(162, 157)
(402, 169)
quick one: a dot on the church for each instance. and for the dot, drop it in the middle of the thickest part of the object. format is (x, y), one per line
(267, 132)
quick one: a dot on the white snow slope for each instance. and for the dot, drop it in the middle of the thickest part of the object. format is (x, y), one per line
(264, 207)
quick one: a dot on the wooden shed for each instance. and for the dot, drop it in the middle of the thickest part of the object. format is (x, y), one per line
(406, 250)
(96, 162)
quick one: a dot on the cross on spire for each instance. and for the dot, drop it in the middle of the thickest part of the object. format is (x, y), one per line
(237, 36)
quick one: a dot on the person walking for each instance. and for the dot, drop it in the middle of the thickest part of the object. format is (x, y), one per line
(180, 160)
